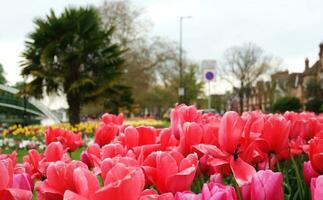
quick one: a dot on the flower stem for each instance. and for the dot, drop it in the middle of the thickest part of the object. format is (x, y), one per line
(298, 176)
(236, 187)
(278, 167)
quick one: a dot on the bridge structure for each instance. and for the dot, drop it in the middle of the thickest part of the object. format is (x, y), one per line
(16, 109)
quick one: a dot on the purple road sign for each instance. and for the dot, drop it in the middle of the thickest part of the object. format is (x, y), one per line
(209, 76)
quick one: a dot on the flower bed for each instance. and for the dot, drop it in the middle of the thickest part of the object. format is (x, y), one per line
(199, 157)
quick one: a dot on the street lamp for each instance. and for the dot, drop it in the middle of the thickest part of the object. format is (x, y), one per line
(181, 90)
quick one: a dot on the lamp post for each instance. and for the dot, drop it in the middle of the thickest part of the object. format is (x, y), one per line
(181, 90)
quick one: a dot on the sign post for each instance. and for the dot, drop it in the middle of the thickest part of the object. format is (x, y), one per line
(209, 76)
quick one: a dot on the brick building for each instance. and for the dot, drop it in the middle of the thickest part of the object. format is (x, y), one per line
(263, 94)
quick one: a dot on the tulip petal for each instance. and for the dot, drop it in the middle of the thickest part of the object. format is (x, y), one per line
(242, 171)
(5, 177)
(317, 188)
(69, 195)
(85, 182)
(15, 194)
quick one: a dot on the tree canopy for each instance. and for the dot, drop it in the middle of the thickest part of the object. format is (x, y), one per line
(71, 53)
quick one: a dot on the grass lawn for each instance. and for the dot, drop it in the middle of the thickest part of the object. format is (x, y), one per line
(21, 152)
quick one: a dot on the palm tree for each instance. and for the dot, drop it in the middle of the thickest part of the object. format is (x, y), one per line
(71, 54)
(2, 77)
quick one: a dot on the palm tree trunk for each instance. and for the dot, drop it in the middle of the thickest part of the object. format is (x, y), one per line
(74, 107)
(241, 96)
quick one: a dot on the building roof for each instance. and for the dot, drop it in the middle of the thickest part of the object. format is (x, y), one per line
(312, 71)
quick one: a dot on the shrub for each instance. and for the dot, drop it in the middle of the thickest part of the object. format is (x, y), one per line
(286, 104)
(314, 105)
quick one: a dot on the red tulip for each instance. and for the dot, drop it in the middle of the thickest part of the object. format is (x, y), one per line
(316, 154)
(313, 127)
(317, 188)
(170, 171)
(267, 185)
(112, 119)
(105, 134)
(70, 140)
(8, 191)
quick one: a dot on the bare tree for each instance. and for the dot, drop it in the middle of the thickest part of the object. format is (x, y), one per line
(147, 58)
(244, 65)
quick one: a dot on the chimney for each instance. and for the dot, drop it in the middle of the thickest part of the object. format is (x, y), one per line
(321, 51)
(307, 64)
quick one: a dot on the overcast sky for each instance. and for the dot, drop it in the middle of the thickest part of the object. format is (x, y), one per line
(288, 29)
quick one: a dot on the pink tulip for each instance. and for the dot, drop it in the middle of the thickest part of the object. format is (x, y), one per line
(121, 183)
(187, 196)
(192, 135)
(231, 146)
(267, 185)
(113, 150)
(181, 114)
(230, 132)
(12, 157)
(211, 133)
(316, 154)
(91, 156)
(317, 188)
(167, 139)
(216, 191)
(275, 133)
(108, 163)
(55, 152)
(139, 136)
(309, 172)
(31, 163)
(170, 171)
(23, 181)
(59, 179)
(254, 124)
(153, 195)
(11, 189)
